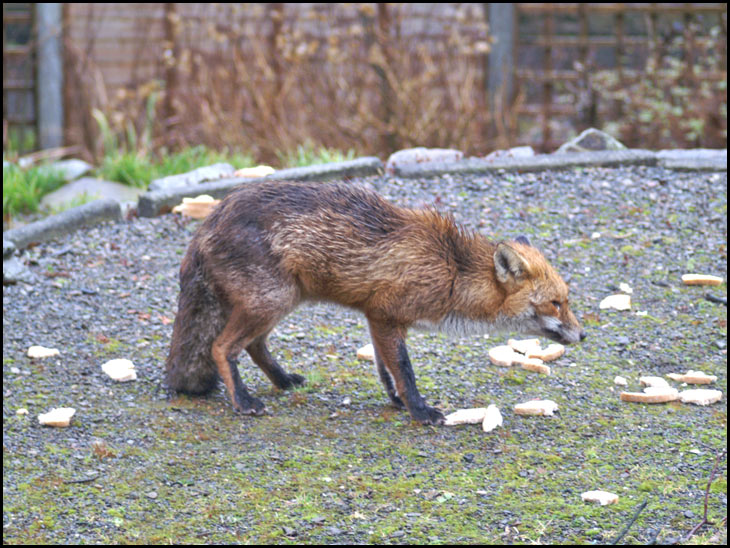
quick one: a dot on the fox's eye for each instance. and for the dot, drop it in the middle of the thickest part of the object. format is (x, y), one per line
(556, 304)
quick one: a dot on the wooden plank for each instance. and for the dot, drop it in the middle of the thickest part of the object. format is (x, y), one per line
(613, 8)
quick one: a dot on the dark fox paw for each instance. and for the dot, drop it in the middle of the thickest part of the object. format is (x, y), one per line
(296, 380)
(249, 406)
(428, 415)
(291, 380)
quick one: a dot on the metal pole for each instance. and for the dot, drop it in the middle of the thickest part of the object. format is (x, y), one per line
(49, 75)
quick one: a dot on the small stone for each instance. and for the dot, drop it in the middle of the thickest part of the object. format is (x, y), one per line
(591, 139)
(421, 155)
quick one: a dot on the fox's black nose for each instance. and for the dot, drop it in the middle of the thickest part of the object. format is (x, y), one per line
(582, 335)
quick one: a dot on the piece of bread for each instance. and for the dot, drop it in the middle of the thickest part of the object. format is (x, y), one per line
(503, 355)
(466, 416)
(701, 279)
(492, 418)
(551, 352)
(536, 365)
(700, 396)
(601, 497)
(652, 395)
(367, 352)
(536, 407)
(60, 417)
(524, 345)
(618, 302)
(654, 381)
(693, 377)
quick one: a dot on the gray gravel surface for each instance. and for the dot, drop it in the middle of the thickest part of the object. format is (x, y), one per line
(333, 462)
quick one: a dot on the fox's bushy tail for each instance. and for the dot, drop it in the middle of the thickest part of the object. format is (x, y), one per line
(200, 319)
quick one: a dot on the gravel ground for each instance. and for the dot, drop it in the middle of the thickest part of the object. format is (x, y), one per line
(333, 463)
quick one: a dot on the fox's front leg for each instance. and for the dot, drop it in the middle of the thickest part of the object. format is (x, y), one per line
(390, 348)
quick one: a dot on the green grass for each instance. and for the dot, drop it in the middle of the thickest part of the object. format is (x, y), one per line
(309, 154)
(139, 170)
(24, 188)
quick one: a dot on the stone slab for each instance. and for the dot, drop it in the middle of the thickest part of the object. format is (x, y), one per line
(155, 203)
(541, 162)
(65, 222)
(91, 188)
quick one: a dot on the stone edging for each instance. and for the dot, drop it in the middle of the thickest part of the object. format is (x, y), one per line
(612, 158)
(155, 203)
(152, 204)
(64, 223)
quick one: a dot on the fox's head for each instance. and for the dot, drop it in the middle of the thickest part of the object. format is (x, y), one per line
(537, 297)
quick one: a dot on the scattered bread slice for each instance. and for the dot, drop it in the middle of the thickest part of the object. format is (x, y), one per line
(503, 355)
(551, 352)
(652, 395)
(466, 416)
(367, 352)
(701, 279)
(536, 407)
(258, 171)
(654, 381)
(38, 352)
(492, 418)
(601, 497)
(197, 208)
(534, 364)
(693, 377)
(60, 417)
(121, 370)
(700, 396)
(524, 345)
(618, 302)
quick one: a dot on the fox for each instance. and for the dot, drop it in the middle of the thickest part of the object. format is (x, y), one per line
(270, 246)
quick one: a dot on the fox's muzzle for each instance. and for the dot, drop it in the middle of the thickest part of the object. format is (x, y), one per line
(557, 331)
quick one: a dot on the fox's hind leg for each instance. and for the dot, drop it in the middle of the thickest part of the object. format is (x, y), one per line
(262, 357)
(240, 330)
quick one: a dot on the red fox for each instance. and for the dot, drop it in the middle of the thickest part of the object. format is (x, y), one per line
(270, 246)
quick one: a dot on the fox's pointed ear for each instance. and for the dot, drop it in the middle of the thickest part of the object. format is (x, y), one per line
(509, 264)
(523, 240)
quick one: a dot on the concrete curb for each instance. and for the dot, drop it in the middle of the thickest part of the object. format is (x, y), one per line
(64, 223)
(542, 162)
(152, 204)
(694, 164)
